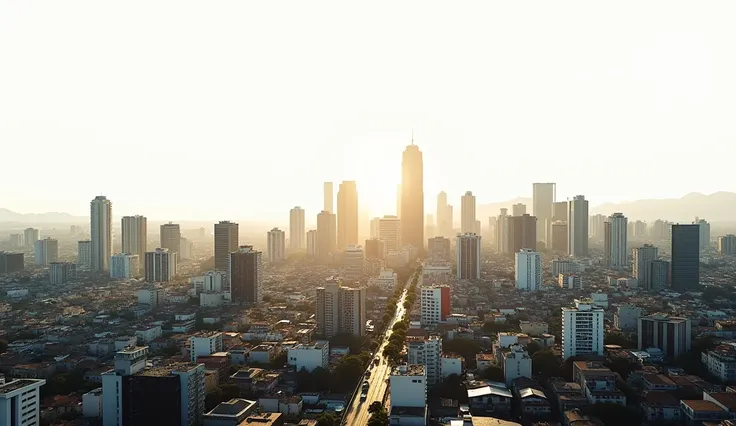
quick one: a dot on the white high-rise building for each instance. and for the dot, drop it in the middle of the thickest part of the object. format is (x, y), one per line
(582, 329)
(435, 305)
(502, 232)
(135, 235)
(20, 402)
(390, 232)
(468, 257)
(125, 266)
(205, 344)
(353, 262)
(30, 236)
(528, 270)
(101, 233)
(426, 351)
(160, 265)
(47, 251)
(577, 227)
(84, 255)
(444, 216)
(296, 228)
(615, 240)
(312, 242)
(276, 245)
(467, 214)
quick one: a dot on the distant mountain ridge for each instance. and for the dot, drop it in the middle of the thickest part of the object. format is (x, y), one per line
(9, 216)
(716, 207)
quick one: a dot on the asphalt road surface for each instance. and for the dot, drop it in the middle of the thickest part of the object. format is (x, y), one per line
(358, 410)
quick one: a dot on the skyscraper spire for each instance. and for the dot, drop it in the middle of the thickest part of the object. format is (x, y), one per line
(412, 136)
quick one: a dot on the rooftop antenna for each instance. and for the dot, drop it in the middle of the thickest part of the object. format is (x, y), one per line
(412, 136)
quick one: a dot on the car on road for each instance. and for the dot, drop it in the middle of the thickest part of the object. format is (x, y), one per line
(363, 396)
(368, 374)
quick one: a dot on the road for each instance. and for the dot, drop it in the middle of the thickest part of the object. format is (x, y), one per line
(358, 410)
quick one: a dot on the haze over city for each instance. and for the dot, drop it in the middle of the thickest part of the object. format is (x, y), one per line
(497, 95)
(367, 214)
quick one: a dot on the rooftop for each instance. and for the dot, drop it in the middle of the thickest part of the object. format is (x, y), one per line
(233, 408)
(408, 370)
(19, 384)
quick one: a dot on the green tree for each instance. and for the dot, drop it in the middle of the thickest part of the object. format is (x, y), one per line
(375, 407)
(533, 347)
(379, 418)
(545, 364)
(328, 418)
(494, 373)
(3, 346)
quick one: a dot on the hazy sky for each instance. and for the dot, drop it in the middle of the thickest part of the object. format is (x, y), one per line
(241, 109)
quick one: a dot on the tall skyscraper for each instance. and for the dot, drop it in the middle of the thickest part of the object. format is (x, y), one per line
(704, 228)
(347, 215)
(226, 242)
(101, 233)
(312, 246)
(467, 213)
(135, 235)
(375, 227)
(412, 197)
(502, 232)
(558, 237)
(522, 232)
(47, 251)
(160, 265)
(276, 245)
(685, 257)
(560, 211)
(389, 230)
(578, 227)
(84, 255)
(444, 217)
(518, 209)
(468, 257)
(642, 271)
(296, 228)
(543, 199)
(596, 227)
(246, 278)
(30, 236)
(326, 233)
(615, 241)
(171, 237)
(329, 198)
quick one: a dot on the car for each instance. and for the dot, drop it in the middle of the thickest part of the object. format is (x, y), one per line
(365, 384)
(363, 396)
(368, 374)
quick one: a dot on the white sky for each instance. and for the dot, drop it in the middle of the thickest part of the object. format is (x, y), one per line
(241, 109)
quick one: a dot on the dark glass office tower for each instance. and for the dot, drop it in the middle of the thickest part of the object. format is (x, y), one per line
(685, 257)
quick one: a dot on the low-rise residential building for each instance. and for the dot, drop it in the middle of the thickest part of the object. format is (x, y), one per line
(310, 356)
